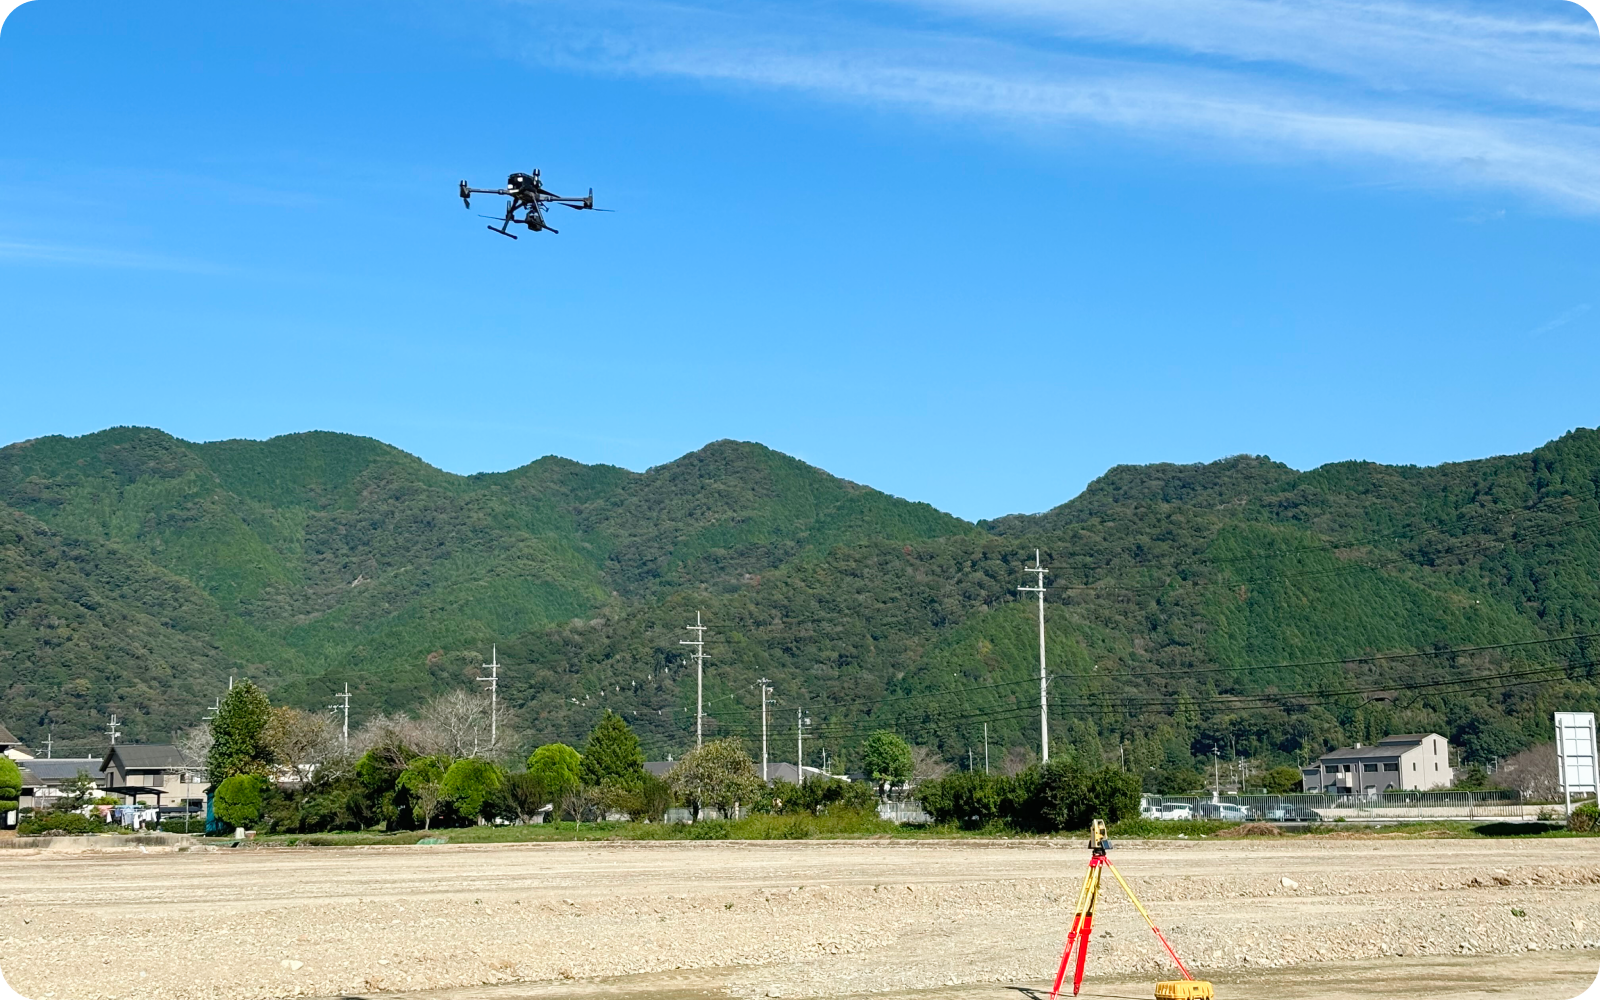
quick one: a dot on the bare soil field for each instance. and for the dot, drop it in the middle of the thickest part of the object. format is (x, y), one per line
(1357, 917)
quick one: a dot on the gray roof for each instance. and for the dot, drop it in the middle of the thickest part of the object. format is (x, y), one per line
(146, 757)
(1412, 738)
(58, 769)
(7, 740)
(1365, 753)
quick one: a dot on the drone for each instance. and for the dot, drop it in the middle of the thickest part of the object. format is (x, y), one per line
(528, 196)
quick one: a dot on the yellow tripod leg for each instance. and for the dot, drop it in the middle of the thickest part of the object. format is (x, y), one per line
(1140, 907)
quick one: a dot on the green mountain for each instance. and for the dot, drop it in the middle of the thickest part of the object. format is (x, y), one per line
(1239, 606)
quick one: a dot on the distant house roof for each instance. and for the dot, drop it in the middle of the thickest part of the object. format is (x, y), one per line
(7, 740)
(1363, 753)
(145, 757)
(1411, 738)
(58, 769)
(659, 768)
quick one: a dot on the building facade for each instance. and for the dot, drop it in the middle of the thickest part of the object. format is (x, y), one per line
(1409, 762)
(153, 774)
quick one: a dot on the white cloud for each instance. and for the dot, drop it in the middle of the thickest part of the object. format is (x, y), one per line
(1450, 93)
(1559, 321)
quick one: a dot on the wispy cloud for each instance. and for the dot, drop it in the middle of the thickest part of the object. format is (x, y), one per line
(1559, 321)
(1452, 93)
(82, 256)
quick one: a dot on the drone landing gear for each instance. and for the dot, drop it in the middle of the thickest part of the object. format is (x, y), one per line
(502, 232)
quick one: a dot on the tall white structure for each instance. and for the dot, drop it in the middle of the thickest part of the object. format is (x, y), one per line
(493, 680)
(344, 704)
(1575, 754)
(765, 690)
(112, 730)
(1044, 697)
(699, 654)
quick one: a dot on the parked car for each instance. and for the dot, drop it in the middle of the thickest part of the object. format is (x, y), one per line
(1292, 814)
(1229, 811)
(1177, 810)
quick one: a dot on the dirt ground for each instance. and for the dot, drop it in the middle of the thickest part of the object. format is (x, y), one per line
(1363, 918)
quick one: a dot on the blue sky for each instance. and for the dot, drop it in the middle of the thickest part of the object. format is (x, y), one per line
(967, 251)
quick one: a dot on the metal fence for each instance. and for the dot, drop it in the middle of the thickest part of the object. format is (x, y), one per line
(1314, 808)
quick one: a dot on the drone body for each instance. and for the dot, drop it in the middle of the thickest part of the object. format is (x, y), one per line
(526, 194)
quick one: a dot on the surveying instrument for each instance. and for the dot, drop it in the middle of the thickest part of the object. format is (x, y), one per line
(1187, 988)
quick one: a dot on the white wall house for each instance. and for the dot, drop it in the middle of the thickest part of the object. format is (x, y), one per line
(1411, 762)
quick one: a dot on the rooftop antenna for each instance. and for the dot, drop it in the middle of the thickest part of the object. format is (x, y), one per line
(1044, 710)
(493, 680)
(699, 654)
(344, 704)
(112, 731)
(765, 690)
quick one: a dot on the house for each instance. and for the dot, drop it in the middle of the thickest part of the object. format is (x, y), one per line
(42, 778)
(1409, 762)
(152, 773)
(12, 747)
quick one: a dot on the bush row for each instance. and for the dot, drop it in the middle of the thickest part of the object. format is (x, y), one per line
(1060, 795)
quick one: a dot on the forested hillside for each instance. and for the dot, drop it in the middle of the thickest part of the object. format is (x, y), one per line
(1240, 606)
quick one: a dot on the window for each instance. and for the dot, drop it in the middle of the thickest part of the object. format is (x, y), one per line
(1436, 765)
(1369, 767)
(1347, 768)
(1392, 767)
(1333, 768)
(1413, 765)
(1436, 748)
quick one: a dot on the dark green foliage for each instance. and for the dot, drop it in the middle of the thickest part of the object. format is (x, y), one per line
(423, 781)
(612, 754)
(238, 800)
(817, 797)
(719, 775)
(1283, 781)
(1061, 795)
(1190, 607)
(470, 785)
(239, 743)
(1585, 818)
(10, 786)
(888, 759)
(61, 823)
(524, 796)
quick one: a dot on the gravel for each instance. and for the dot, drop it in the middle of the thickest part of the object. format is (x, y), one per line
(787, 920)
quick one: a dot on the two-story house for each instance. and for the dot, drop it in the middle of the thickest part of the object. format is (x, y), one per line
(154, 774)
(1410, 762)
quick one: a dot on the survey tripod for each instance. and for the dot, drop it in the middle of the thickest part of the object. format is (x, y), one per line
(1083, 923)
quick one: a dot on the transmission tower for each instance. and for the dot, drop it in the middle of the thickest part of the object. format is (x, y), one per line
(493, 680)
(1044, 710)
(699, 654)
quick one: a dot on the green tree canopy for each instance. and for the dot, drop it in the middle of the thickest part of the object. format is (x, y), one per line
(423, 779)
(718, 774)
(612, 755)
(240, 742)
(1283, 780)
(888, 759)
(10, 785)
(557, 767)
(238, 799)
(469, 784)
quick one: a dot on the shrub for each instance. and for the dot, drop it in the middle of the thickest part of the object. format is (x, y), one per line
(10, 786)
(237, 801)
(1283, 781)
(558, 767)
(195, 824)
(69, 823)
(967, 797)
(1584, 818)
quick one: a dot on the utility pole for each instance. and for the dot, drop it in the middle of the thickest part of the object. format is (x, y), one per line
(800, 723)
(765, 690)
(699, 654)
(969, 760)
(1216, 768)
(493, 680)
(985, 748)
(111, 730)
(344, 703)
(49, 743)
(1044, 710)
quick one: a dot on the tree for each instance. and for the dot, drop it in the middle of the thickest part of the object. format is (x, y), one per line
(469, 784)
(525, 795)
(557, 767)
(78, 791)
(612, 754)
(1283, 780)
(239, 734)
(238, 799)
(888, 759)
(455, 725)
(301, 741)
(423, 778)
(10, 786)
(719, 774)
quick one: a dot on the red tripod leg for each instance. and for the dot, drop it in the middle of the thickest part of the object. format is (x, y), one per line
(1066, 956)
(1083, 953)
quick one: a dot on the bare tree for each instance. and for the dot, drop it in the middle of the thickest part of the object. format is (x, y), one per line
(454, 724)
(1017, 760)
(926, 765)
(1534, 772)
(302, 742)
(195, 748)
